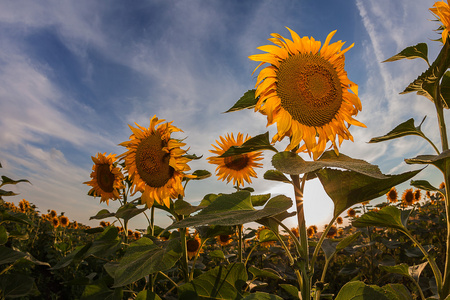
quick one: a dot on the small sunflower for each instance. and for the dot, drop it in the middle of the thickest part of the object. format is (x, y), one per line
(442, 186)
(155, 162)
(442, 11)
(351, 213)
(75, 225)
(64, 221)
(305, 90)
(193, 246)
(107, 179)
(53, 213)
(408, 197)
(137, 235)
(417, 195)
(224, 239)
(339, 220)
(332, 232)
(295, 231)
(392, 195)
(24, 205)
(55, 222)
(238, 167)
(311, 231)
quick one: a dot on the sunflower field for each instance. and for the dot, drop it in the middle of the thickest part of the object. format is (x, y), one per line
(396, 249)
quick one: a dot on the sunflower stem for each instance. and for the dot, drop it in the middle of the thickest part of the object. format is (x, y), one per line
(305, 285)
(184, 259)
(240, 243)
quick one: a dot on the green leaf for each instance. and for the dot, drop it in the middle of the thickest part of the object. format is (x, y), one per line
(418, 51)
(201, 174)
(248, 100)
(217, 254)
(275, 206)
(276, 176)
(264, 273)
(267, 235)
(404, 129)
(423, 185)
(182, 207)
(8, 255)
(401, 269)
(105, 243)
(347, 188)
(399, 290)
(100, 290)
(102, 214)
(256, 143)
(222, 282)
(426, 83)
(291, 163)
(291, 290)
(416, 270)
(208, 199)
(143, 257)
(262, 296)
(7, 180)
(17, 217)
(3, 235)
(445, 88)
(389, 216)
(358, 290)
(128, 211)
(147, 295)
(237, 201)
(75, 256)
(16, 285)
(437, 160)
(259, 200)
(6, 193)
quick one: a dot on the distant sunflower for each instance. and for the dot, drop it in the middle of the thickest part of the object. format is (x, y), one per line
(442, 11)
(224, 239)
(392, 195)
(311, 231)
(332, 232)
(237, 167)
(295, 231)
(55, 222)
(305, 90)
(339, 220)
(351, 213)
(24, 205)
(107, 179)
(64, 221)
(75, 225)
(417, 195)
(193, 246)
(408, 197)
(53, 213)
(155, 162)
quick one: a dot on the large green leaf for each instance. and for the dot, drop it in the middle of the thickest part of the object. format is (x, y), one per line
(274, 206)
(105, 243)
(17, 217)
(259, 200)
(128, 211)
(291, 163)
(264, 273)
(237, 201)
(358, 290)
(182, 207)
(437, 160)
(3, 235)
(143, 257)
(423, 185)
(102, 214)
(389, 216)
(8, 255)
(262, 296)
(75, 256)
(222, 282)
(418, 51)
(7, 180)
(256, 143)
(404, 129)
(147, 295)
(100, 290)
(248, 100)
(426, 83)
(399, 290)
(276, 176)
(347, 188)
(17, 285)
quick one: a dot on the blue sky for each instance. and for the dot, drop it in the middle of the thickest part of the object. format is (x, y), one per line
(74, 74)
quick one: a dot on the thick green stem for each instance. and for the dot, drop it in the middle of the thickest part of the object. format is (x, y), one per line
(240, 243)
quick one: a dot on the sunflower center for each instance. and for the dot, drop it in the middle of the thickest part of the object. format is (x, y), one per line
(105, 178)
(309, 89)
(152, 162)
(236, 162)
(192, 245)
(224, 238)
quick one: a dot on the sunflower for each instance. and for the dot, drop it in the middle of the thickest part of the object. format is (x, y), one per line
(55, 222)
(75, 225)
(193, 246)
(408, 197)
(24, 205)
(155, 162)
(53, 213)
(417, 195)
(305, 90)
(224, 239)
(332, 232)
(107, 179)
(339, 220)
(237, 167)
(311, 231)
(64, 221)
(392, 195)
(295, 231)
(351, 213)
(442, 11)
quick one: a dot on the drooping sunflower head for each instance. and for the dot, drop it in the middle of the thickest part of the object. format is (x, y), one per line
(224, 239)
(193, 246)
(155, 162)
(392, 195)
(306, 91)
(238, 168)
(442, 11)
(106, 178)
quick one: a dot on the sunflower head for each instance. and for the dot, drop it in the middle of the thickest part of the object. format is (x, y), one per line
(64, 221)
(417, 195)
(311, 231)
(351, 213)
(305, 90)
(339, 220)
(238, 168)
(442, 11)
(295, 231)
(55, 222)
(224, 239)
(392, 195)
(155, 162)
(408, 197)
(106, 178)
(53, 213)
(193, 246)
(332, 232)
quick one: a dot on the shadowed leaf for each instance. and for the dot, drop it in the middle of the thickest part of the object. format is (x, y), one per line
(102, 214)
(276, 176)
(389, 216)
(437, 160)
(423, 185)
(418, 51)
(358, 290)
(248, 100)
(404, 129)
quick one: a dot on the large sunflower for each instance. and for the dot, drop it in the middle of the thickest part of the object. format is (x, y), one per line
(442, 12)
(155, 162)
(305, 90)
(237, 167)
(107, 179)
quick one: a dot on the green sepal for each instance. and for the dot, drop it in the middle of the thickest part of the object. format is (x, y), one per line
(418, 51)
(193, 156)
(426, 83)
(248, 100)
(404, 129)
(291, 163)
(439, 161)
(276, 175)
(256, 143)
(347, 188)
